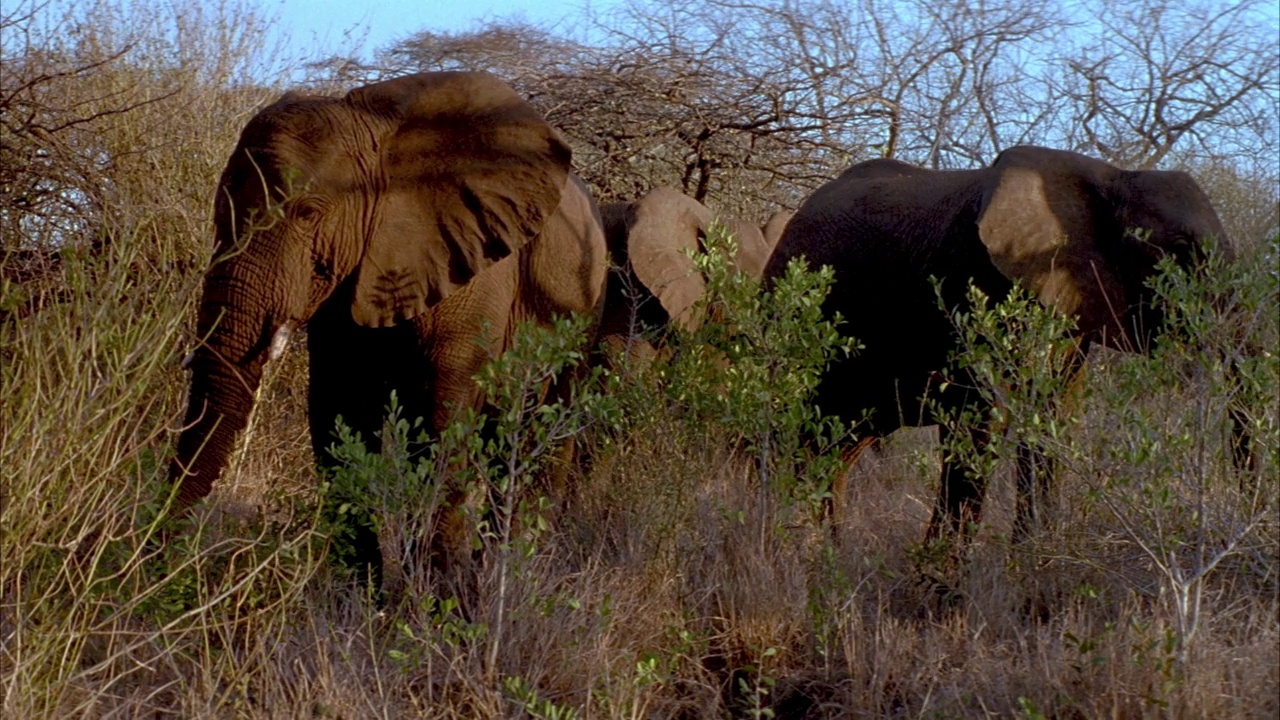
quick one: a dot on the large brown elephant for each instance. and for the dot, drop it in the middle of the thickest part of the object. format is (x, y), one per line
(1059, 222)
(399, 223)
(656, 281)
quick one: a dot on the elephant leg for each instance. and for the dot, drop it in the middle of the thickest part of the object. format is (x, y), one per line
(557, 478)
(960, 494)
(353, 372)
(454, 342)
(1035, 473)
(331, 396)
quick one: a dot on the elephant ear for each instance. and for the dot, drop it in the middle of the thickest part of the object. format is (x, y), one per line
(664, 227)
(1039, 226)
(753, 251)
(468, 173)
(756, 244)
(774, 228)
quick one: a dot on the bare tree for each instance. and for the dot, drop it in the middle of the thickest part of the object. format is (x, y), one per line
(754, 104)
(664, 102)
(749, 104)
(107, 126)
(1160, 75)
(51, 172)
(955, 76)
(76, 110)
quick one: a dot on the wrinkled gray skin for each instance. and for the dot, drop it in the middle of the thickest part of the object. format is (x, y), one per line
(656, 280)
(1057, 221)
(396, 223)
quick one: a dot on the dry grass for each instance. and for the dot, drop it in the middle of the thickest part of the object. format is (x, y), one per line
(662, 589)
(653, 597)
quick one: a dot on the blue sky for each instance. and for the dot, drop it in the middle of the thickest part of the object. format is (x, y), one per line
(325, 27)
(320, 28)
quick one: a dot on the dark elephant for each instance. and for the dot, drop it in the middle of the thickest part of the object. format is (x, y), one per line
(399, 223)
(655, 279)
(1059, 222)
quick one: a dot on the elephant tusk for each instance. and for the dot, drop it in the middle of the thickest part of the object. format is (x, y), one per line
(187, 360)
(280, 341)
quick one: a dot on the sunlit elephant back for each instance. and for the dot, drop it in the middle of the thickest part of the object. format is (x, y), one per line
(397, 223)
(1059, 222)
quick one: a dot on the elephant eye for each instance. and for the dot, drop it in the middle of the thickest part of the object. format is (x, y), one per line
(322, 269)
(307, 210)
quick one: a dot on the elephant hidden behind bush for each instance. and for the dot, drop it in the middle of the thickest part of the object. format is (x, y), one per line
(398, 223)
(1061, 223)
(655, 280)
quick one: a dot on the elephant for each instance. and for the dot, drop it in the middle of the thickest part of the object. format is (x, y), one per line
(410, 225)
(649, 242)
(1060, 223)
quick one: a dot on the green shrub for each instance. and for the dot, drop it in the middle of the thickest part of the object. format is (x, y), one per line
(1164, 494)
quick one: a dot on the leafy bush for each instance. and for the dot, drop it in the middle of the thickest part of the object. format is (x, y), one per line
(750, 372)
(1169, 448)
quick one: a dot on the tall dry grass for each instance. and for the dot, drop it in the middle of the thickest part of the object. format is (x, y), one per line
(118, 115)
(668, 584)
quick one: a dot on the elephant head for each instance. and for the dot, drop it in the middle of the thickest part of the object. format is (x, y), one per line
(1085, 236)
(654, 237)
(387, 200)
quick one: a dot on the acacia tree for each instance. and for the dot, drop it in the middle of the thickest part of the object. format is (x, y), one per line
(665, 103)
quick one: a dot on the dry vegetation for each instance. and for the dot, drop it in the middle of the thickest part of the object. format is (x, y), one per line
(677, 579)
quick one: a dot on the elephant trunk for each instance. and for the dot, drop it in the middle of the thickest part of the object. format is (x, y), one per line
(218, 409)
(226, 372)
